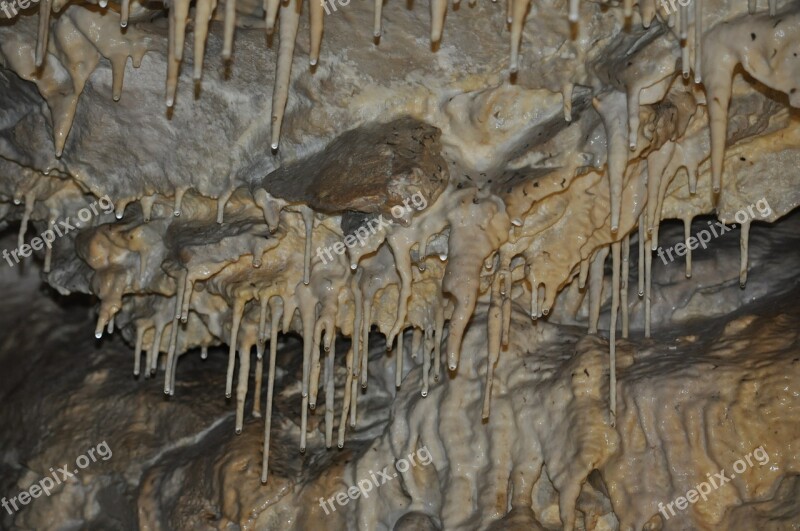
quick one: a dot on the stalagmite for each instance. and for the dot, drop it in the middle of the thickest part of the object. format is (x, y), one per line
(743, 253)
(276, 310)
(290, 20)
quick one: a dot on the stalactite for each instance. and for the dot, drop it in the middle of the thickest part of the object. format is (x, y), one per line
(137, 351)
(743, 253)
(44, 32)
(519, 9)
(376, 24)
(626, 253)
(229, 28)
(612, 341)
(238, 310)
(494, 325)
(241, 387)
(596, 287)
(438, 10)
(276, 311)
(329, 393)
(687, 233)
(641, 247)
(316, 16)
(398, 371)
(290, 21)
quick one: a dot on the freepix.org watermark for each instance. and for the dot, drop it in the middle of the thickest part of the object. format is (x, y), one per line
(375, 480)
(362, 234)
(12, 8)
(715, 481)
(59, 229)
(702, 238)
(60, 475)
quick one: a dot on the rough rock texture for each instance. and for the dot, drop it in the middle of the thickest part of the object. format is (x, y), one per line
(432, 201)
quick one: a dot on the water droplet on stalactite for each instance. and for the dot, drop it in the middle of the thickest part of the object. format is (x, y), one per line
(376, 22)
(124, 13)
(179, 192)
(290, 20)
(574, 6)
(204, 353)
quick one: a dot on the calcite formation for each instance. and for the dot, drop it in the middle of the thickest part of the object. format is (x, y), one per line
(457, 205)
